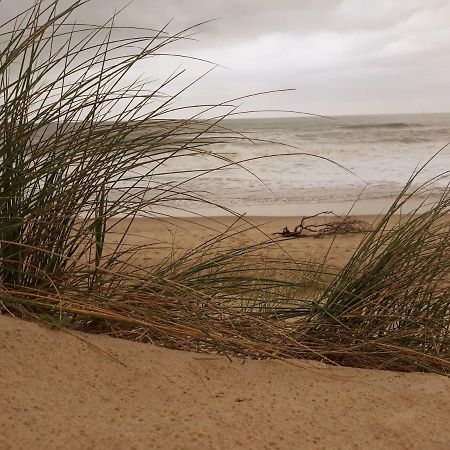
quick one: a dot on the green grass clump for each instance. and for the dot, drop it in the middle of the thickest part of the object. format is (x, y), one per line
(75, 136)
(80, 146)
(392, 297)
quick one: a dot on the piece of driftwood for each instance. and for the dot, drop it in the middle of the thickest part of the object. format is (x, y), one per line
(341, 225)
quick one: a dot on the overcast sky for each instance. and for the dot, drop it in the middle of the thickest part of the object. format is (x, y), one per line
(341, 56)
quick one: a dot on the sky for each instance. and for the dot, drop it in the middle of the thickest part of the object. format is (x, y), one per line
(340, 56)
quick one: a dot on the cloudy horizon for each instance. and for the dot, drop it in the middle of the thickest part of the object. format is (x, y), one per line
(340, 56)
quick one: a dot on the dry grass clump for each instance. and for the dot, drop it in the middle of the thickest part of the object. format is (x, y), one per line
(74, 137)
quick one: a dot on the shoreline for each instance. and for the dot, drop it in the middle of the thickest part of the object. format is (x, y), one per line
(361, 207)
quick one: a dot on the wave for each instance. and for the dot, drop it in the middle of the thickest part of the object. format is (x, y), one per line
(391, 125)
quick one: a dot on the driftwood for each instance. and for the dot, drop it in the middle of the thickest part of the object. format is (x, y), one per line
(341, 225)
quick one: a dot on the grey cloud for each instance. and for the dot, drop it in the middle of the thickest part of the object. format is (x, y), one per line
(342, 56)
(237, 19)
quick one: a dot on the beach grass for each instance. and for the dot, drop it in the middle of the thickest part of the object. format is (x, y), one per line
(81, 148)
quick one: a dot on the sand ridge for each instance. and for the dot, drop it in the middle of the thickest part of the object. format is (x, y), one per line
(59, 392)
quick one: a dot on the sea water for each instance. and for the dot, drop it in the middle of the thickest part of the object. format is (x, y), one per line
(304, 165)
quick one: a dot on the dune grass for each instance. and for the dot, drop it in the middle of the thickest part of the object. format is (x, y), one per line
(82, 149)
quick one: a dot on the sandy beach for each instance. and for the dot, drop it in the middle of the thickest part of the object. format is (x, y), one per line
(164, 236)
(64, 389)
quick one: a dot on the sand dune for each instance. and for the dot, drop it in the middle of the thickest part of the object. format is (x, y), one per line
(94, 392)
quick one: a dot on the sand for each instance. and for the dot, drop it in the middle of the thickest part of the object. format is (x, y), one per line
(70, 390)
(59, 392)
(162, 236)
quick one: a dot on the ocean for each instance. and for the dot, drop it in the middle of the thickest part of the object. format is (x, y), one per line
(304, 165)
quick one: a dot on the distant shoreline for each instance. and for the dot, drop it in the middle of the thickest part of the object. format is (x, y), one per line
(362, 207)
